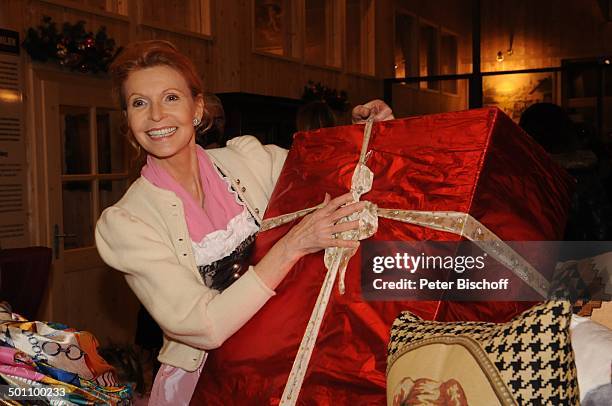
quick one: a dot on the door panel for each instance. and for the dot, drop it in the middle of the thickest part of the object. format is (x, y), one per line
(77, 213)
(86, 171)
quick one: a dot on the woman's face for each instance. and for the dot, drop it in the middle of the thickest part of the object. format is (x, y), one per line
(160, 110)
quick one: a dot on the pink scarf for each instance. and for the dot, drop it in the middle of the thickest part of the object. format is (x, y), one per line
(220, 205)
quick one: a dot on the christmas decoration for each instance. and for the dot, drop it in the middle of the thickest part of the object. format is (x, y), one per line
(316, 91)
(73, 47)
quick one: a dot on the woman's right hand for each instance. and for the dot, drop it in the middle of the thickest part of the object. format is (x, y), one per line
(319, 229)
(313, 233)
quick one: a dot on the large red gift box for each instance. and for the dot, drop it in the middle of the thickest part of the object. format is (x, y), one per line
(477, 162)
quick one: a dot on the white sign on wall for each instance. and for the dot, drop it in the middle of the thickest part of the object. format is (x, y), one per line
(13, 182)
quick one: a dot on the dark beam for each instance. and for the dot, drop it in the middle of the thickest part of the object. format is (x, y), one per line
(475, 84)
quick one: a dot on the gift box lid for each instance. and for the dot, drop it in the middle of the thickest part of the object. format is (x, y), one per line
(477, 161)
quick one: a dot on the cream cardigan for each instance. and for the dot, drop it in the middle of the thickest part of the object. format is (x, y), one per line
(145, 236)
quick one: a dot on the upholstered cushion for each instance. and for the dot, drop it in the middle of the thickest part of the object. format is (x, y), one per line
(592, 344)
(528, 360)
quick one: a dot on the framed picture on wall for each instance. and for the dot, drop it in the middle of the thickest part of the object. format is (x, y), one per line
(514, 93)
(273, 27)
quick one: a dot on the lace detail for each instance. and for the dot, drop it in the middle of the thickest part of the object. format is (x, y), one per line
(222, 273)
(221, 243)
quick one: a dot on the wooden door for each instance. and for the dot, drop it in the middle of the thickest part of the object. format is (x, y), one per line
(86, 171)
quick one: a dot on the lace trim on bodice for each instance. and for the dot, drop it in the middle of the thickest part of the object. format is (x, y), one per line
(220, 243)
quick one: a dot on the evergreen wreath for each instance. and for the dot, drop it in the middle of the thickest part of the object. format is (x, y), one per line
(73, 47)
(316, 91)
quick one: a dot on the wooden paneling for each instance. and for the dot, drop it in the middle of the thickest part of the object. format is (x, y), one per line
(408, 101)
(101, 302)
(225, 61)
(545, 32)
(230, 27)
(117, 28)
(285, 77)
(11, 15)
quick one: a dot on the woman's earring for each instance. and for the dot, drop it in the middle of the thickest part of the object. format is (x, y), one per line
(196, 122)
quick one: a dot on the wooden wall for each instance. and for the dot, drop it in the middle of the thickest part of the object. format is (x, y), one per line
(226, 61)
(100, 301)
(408, 101)
(545, 32)
(284, 77)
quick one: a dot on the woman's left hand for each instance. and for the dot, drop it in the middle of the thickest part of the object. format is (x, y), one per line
(376, 109)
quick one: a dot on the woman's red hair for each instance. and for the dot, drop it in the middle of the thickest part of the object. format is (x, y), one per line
(147, 54)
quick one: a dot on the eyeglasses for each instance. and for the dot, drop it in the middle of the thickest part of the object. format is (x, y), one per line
(72, 351)
(52, 348)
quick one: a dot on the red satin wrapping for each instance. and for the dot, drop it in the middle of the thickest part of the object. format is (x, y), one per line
(477, 161)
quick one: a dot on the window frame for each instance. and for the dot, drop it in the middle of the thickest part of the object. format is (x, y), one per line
(336, 38)
(439, 32)
(436, 43)
(370, 56)
(297, 17)
(448, 32)
(339, 38)
(414, 63)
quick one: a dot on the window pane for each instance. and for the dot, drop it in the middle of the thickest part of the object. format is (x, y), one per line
(110, 192)
(78, 218)
(75, 138)
(427, 55)
(321, 33)
(448, 61)
(111, 143)
(405, 55)
(275, 27)
(360, 36)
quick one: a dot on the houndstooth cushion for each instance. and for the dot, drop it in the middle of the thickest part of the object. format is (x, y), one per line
(527, 361)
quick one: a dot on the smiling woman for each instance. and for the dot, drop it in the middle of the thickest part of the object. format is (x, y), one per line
(182, 232)
(161, 110)
(161, 114)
